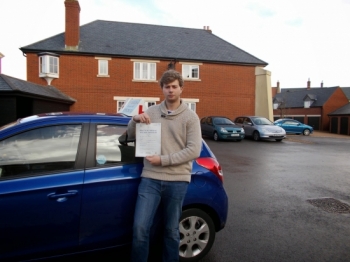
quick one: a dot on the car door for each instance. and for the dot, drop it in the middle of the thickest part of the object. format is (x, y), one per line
(248, 126)
(41, 180)
(204, 127)
(110, 188)
(291, 126)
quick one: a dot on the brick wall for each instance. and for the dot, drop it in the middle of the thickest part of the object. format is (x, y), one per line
(227, 90)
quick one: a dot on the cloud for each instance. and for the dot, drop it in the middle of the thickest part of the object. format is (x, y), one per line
(297, 22)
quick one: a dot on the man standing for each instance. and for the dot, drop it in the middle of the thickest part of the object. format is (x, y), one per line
(165, 177)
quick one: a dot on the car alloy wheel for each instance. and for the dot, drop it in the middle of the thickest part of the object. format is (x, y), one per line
(216, 136)
(306, 132)
(197, 234)
(256, 136)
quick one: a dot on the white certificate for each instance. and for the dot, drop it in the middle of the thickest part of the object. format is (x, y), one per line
(148, 139)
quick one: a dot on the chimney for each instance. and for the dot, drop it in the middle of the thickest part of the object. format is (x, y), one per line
(278, 87)
(308, 84)
(322, 84)
(206, 28)
(1, 56)
(72, 33)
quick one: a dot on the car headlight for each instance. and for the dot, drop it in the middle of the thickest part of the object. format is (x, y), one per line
(242, 130)
(223, 130)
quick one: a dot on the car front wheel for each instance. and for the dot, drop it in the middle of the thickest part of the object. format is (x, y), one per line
(216, 136)
(197, 234)
(256, 136)
(306, 132)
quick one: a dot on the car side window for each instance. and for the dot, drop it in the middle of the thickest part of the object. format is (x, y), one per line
(203, 120)
(247, 121)
(46, 149)
(292, 123)
(239, 120)
(209, 121)
(109, 150)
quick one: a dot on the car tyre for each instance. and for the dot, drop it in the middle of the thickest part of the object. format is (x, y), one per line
(256, 136)
(306, 132)
(197, 234)
(216, 136)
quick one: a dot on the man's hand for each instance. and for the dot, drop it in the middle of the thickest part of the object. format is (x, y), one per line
(154, 160)
(142, 118)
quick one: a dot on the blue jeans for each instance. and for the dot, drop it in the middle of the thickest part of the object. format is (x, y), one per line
(152, 194)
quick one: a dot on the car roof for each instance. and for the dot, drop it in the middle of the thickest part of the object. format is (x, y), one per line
(60, 117)
(251, 116)
(216, 116)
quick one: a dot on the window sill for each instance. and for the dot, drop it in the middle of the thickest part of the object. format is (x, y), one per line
(192, 79)
(102, 75)
(145, 80)
(53, 75)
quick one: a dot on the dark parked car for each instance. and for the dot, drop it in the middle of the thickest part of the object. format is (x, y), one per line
(260, 128)
(221, 128)
(294, 127)
(68, 184)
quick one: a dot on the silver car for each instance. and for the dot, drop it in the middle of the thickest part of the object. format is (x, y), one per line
(260, 128)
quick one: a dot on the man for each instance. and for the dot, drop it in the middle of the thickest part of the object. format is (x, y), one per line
(165, 177)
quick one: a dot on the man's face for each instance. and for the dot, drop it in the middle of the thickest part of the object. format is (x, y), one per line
(172, 91)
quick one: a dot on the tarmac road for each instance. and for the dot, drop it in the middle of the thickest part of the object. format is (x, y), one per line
(270, 184)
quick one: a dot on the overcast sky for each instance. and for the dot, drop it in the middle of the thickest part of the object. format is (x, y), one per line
(299, 39)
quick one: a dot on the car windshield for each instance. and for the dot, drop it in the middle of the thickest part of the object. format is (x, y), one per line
(222, 121)
(261, 121)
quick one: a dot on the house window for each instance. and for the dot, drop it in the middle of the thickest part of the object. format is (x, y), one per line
(103, 67)
(120, 105)
(144, 71)
(148, 104)
(275, 105)
(307, 104)
(190, 71)
(192, 106)
(48, 66)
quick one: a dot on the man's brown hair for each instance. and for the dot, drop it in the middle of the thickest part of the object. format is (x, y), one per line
(170, 76)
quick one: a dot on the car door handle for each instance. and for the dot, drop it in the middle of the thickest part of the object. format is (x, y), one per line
(62, 196)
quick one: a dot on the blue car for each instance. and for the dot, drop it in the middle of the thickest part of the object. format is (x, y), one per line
(68, 184)
(221, 128)
(294, 127)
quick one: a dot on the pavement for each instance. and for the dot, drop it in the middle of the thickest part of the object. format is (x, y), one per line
(327, 134)
(309, 140)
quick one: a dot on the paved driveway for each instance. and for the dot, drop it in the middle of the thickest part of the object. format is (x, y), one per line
(272, 188)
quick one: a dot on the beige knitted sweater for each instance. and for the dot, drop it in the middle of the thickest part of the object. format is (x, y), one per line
(181, 141)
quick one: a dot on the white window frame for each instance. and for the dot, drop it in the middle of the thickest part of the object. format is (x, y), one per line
(191, 103)
(48, 66)
(307, 104)
(145, 70)
(188, 71)
(103, 66)
(120, 104)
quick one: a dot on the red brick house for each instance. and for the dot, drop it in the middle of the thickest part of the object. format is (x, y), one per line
(102, 63)
(340, 120)
(310, 105)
